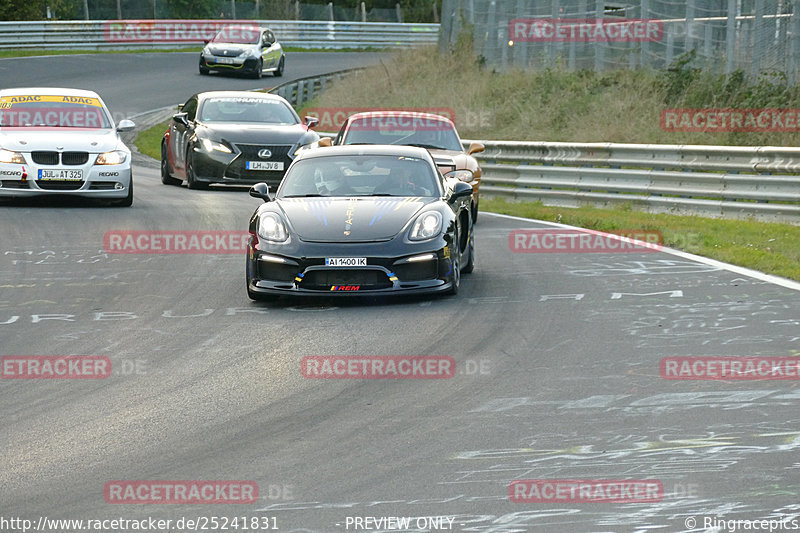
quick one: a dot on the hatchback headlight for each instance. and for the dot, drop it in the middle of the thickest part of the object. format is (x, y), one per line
(427, 226)
(117, 157)
(7, 156)
(271, 228)
(463, 175)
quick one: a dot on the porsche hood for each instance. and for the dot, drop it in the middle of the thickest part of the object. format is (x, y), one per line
(352, 219)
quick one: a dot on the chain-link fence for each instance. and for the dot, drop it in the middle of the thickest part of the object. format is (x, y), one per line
(752, 35)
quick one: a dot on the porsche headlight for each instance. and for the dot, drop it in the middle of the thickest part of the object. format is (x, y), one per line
(117, 157)
(7, 156)
(427, 226)
(463, 175)
(271, 228)
(210, 146)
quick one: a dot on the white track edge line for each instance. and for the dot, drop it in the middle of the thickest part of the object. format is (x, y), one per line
(769, 278)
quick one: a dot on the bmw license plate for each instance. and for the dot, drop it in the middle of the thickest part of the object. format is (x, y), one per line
(264, 165)
(61, 174)
(346, 261)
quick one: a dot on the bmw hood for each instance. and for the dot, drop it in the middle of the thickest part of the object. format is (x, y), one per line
(350, 219)
(61, 139)
(253, 133)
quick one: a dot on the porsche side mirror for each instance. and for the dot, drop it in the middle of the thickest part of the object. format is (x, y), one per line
(180, 118)
(325, 141)
(474, 148)
(461, 190)
(311, 121)
(260, 190)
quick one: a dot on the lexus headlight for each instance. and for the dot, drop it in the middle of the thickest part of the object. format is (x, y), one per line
(271, 228)
(463, 175)
(117, 157)
(427, 226)
(210, 146)
(7, 156)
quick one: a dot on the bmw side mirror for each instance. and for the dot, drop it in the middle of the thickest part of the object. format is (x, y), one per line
(180, 118)
(125, 125)
(461, 190)
(311, 121)
(261, 190)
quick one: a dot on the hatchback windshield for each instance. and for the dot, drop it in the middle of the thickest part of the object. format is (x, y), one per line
(238, 35)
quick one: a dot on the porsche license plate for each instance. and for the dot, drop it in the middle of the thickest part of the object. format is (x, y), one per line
(264, 165)
(61, 174)
(346, 261)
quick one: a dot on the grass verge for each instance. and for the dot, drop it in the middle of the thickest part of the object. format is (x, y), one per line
(148, 141)
(767, 247)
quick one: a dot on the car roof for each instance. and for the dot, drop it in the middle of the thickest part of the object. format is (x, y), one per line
(399, 113)
(367, 150)
(234, 94)
(57, 91)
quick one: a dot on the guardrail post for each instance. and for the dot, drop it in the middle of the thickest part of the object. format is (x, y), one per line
(330, 11)
(730, 37)
(599, 48)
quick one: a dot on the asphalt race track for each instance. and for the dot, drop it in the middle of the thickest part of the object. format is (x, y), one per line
(557, 372)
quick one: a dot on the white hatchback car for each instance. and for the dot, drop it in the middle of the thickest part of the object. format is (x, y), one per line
(249, 50)
(62, 142)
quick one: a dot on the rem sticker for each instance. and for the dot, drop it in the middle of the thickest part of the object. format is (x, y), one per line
(345, 287)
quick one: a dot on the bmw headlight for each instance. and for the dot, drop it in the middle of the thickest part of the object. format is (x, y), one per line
(7, 156)
(427, 226)
(117, 157)
(463, 175)
(210, 146)
(271, 228)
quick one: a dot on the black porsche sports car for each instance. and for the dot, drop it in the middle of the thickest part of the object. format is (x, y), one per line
(232, 137)
(372, 219)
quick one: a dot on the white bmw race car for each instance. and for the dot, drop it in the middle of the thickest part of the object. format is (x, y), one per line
(62, 142)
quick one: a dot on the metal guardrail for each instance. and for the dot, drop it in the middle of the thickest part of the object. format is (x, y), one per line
(302, 90)
(138, 34)
(720, 181)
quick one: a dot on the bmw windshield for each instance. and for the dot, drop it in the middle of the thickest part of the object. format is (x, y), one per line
(51, 111)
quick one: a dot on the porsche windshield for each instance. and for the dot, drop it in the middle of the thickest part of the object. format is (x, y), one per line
(33, 111)
(368, 175)
(246, 109)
